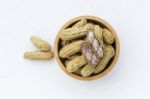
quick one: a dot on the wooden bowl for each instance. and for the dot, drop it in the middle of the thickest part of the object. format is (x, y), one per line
(111, 63)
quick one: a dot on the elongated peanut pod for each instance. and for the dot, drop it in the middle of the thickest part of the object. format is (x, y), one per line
(76, 63)
(38, 55)
(108, 54)
(98, 34)
(108, 36)
(72, 33)
(41, 44)
(70, 49)
(87, 70)
(80, 23)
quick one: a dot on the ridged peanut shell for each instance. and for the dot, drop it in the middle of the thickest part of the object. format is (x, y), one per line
(73, 33)
(41, 44)
(98, 34)
(87, 70)
(80, 23)
(70, 49)
(76, 63)
(108, 54)
(37, 55)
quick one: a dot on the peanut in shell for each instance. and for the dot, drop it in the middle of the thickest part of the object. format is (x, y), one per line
(80, 23)
(73, 33)
(70, 49)
(87, 70)
(98, 34)
(108, 54)
(41, 44)
(76, 63)
(37, 55)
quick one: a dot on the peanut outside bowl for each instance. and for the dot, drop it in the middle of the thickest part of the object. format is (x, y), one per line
(111, 63)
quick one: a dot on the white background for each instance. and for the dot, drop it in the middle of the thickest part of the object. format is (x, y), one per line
(26, 79)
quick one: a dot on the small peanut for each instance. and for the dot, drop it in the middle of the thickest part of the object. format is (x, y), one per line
(41, 44)
(37, 55)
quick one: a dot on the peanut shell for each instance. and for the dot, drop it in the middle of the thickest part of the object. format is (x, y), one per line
(76, 63)
(98, 34)
(37, 55)
(70, 49)
(41, 44)
(108, 54)
(80, 23)
(87, 70)
(73, 33)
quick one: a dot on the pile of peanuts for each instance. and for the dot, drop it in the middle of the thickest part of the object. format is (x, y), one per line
(44, 52)
(86, 48)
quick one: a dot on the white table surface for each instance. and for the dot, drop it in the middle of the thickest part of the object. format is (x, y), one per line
(26, 79)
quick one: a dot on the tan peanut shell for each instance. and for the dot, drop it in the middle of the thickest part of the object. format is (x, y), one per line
(76, 63)
(37, 55)
(41, 44)
(80, 23)
(108, 54)
(98, 34)
(70, 49)
(108, 36)
(87, 70)
(73, 33)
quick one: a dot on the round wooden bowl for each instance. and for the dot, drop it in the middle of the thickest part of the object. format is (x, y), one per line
(111, 63)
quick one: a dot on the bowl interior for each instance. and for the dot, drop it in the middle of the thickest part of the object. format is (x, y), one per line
(95, 21)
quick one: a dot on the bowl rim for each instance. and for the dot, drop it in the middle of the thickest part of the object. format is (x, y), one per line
(117, 49)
